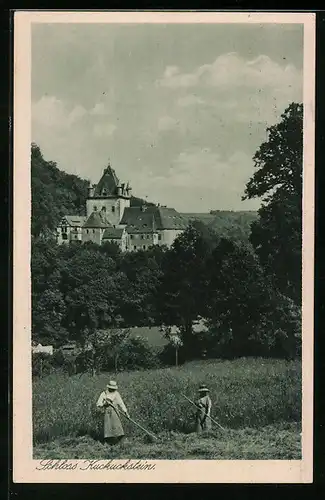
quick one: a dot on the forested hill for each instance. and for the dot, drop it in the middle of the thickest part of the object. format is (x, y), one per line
(56, 193)
(232, 224)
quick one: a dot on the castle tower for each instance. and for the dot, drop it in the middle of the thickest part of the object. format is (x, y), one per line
(109, 196)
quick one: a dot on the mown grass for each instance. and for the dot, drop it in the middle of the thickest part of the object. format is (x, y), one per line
(275, 442)
(254, 399)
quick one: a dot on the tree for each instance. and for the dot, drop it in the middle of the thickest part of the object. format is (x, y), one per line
(238, 296)
(182, 294)
(277, 233)
(101, 344)
(48, 309)
(144, 271)
(174, 340)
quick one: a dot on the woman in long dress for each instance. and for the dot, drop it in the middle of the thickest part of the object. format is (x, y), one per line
(203, 415)
(110, 400)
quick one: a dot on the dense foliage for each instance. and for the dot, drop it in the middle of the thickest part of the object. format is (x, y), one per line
(54, 194)
(277, 233)
(84, 289)
(248, 292)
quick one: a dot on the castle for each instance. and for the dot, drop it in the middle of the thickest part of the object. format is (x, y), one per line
(110, 218)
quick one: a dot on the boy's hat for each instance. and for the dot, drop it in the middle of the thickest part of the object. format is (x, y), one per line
(112, 384)
(203, 388)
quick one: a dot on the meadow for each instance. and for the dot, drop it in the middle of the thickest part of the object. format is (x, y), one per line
(257, 401)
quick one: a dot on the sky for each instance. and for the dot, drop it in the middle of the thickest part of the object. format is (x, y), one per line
(178, 110)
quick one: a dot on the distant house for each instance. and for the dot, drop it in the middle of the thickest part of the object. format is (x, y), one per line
(198, 326)
(39, 348)
(111, 219)
(70, 349)
(70, 228)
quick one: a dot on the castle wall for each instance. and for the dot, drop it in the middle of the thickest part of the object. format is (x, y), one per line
(168, 236)
(92, 234)
(76, 234)
(123, 203)
(122, 243)
(63, 233)
(63, 237)
(141, 241)
(113, 207)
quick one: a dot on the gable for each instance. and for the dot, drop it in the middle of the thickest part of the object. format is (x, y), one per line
(108, 183)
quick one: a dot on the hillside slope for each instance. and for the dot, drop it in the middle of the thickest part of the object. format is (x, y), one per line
(56, 193)
(225, 222)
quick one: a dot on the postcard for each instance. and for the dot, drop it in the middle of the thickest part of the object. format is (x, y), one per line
(163, 247)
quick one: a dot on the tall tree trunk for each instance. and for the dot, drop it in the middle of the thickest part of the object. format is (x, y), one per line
(116, 365)
(188, 338)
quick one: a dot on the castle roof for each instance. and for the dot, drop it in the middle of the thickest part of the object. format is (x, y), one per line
(108, 183)
(113, 233)
(75, 220)
(138, 221)
(171, 219)
(151, 219)
(97, 219)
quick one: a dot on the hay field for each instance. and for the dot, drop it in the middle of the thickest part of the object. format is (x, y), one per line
(258, 401)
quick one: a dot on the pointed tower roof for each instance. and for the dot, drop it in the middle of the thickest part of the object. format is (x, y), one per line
(96, 219)
(108, 183)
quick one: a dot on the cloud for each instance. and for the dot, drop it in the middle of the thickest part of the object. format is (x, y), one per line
(203, 167)
(104, 129)
(52, 112)
(231, 69)
(99, 109)
(63, 133)
(166, 123)
(256, 90)
(201, 179)
(189, 100)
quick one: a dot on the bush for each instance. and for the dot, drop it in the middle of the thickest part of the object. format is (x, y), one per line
(42, 364)
(137, 353)
(134, 354)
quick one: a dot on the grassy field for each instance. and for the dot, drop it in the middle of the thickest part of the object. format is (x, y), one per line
(257, 401)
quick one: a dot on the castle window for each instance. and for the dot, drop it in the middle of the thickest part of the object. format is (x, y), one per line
(75, 237)
(159, 236)
(87, 231)
(103, 209)
(93, 230)
(144, 247)
(134, 247)
(113, 209)
(64, 236)
(142, 236)
(64, 229)
(95, 208)
(104, 192)
(131, 236)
